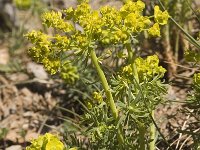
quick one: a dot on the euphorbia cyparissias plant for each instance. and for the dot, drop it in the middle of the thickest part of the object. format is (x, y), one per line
(121, 111)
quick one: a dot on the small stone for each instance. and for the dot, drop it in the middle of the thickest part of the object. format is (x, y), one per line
(28, 114)
(25, 126)
(37, 70)
(14, 147)
(18, 77)
(4, 56)
(31, 135)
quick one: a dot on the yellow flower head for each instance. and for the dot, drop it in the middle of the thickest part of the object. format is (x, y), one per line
(196, 79)
(55, 20)
(47, 142)
(98, 97)
(149, 68)
(155, 30)
(51, 65)
(23, 4)
(159, 16)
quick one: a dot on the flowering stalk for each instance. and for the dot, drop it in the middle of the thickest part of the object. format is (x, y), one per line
(152, 133)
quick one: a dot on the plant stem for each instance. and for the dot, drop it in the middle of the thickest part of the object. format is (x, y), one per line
(106, 87)
(152, 133)
(109, 96)
(131, 60)
(141, 137)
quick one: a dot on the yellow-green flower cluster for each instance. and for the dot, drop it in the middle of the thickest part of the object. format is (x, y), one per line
(52, 65)
(109, 26)
(155, 30)
(98, 97)
(110, 16)
(23, 4)
(196, 79)
(80, 41)
(160, 18)
(127, 71)
(90, 21)
(121, 24)
(47, 50)
(136, 23)
(69, 72)
(113, 26)
(132, 7)
(43, 51)
(61, 42)
(192, 56)
(55, 20)
(147, 68)
(41, 42)
(77, 15)
(46, 142)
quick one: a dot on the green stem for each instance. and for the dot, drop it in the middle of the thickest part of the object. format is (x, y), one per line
(109, 96)
(152, 133)
(141, 137)
(131, 60)
(106, 87)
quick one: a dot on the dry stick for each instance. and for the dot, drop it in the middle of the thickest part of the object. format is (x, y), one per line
(176, 140)
(43, 124)
(182, 66)
(187, 139)
(179, 139)
(184, 77)
(183, 127)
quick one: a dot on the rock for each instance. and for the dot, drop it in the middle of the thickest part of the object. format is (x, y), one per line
(14, 147)
(31, 135)
(19, 77)
(37, 70)
(7, 15)
(4, 56)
